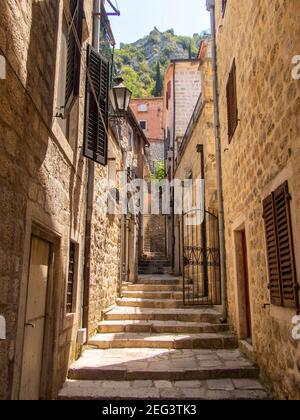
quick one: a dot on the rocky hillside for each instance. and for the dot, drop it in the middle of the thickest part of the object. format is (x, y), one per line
(144, 62)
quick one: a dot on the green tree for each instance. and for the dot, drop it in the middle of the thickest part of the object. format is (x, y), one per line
(157, 91)
(159, 173)
(133, 82)
(190, 51)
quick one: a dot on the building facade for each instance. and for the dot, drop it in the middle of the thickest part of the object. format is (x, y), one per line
(60, 255)
(44, 178)
(182, 87)
(149, 113)
(260, 143)
(196, 159)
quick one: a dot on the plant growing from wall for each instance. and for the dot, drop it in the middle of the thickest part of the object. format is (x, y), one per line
(159, 173)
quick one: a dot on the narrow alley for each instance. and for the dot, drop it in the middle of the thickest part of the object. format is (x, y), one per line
(150, 212)
(152, 347)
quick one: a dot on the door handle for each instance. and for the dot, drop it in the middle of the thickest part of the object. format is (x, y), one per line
(29, 325)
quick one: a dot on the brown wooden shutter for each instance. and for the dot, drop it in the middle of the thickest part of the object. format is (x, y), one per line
(74, 57)
(280, 249)
(224, 4)
(285, 246)
(272, 254)
(232, 109)
(95, 139)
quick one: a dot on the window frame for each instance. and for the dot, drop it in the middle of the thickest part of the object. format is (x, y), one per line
(73, 303)
(146, 125)
(143, 108)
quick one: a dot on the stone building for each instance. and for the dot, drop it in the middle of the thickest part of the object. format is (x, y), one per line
(60, 257)
(196, 155)
(149, 113)
(182, 87)
(260, 144)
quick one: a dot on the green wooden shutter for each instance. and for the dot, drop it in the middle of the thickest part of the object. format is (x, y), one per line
(95, 139)
(74, 57)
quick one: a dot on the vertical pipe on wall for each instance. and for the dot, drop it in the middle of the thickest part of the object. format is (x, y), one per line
(200, 150)
(173, 169)
(211, 8)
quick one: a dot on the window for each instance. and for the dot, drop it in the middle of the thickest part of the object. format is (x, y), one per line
(232, 109)
(280, 252)
(143, 108)
(143, 125)
(96, 107)
(71, 285)
(224, 4)
(69, 66)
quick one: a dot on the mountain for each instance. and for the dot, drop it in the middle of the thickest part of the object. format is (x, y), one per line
(147, 59)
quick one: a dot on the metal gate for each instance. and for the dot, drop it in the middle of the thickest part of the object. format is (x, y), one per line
(201, 258)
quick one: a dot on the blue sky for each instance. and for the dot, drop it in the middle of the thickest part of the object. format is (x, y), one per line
(138, 18)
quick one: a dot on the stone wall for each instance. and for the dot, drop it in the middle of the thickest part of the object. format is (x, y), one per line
(187, 91)
(42, 179)
(152, 115)
(154, 234)
(156, 153)
(189, 160)
(263, 37)
(106, 244)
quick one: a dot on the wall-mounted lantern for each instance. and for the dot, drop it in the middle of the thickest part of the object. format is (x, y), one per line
(120, 97)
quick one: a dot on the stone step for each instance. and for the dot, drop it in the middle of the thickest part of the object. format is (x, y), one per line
(146, 264)
(150, 303)
(152, 287)
(145, 314)
(161, 364)
(153, 281)
(154, 257)
(153, 270)
(160, 327)
(213, 389)
(223, 340)
(152, 294)
(164, 279)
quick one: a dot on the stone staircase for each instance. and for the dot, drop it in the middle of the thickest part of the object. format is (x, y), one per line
(154, 263)
(151, 347)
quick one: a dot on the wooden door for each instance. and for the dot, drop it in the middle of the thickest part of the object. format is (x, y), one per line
(247, 289)
(35, 319)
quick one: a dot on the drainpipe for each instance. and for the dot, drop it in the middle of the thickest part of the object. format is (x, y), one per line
(210, 4)
(173, 168)
(90, 194)
(200, 150)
